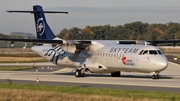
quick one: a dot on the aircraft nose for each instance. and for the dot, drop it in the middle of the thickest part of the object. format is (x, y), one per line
(163, 63)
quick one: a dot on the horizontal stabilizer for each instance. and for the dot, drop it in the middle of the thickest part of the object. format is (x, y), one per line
(13, 11)
(34, 40)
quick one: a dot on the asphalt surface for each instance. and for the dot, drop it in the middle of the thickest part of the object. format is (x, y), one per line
(49, 74)
(171, 59)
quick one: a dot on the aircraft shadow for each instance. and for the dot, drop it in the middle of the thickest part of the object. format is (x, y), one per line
(103, 75)
(122, 76)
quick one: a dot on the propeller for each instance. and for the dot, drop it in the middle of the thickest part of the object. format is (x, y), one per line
(76, 46)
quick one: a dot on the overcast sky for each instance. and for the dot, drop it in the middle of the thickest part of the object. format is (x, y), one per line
(87, 12)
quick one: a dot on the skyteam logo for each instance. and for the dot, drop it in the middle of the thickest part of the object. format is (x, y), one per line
(54, 53)
(40, 26)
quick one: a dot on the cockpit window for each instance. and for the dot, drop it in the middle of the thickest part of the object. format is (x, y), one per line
(150, 52)
(153, 52)
(141, 52)
(145, 52)
(160, 53)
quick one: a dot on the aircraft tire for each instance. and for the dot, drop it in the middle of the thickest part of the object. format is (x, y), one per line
(82, 75)
(79, 73)
(155, 76)
(116, 74)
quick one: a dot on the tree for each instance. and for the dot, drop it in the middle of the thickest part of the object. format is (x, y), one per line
(86, 32)
(156, 33)
(177, 35)
(129, 31)
(172, 29)
(63, 33)
(135, 29)
(3, 36)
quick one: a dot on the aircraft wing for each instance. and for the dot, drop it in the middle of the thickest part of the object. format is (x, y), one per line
(78, 44)
(155, 42)
(88, 42)
(75, 42)
(149, 42)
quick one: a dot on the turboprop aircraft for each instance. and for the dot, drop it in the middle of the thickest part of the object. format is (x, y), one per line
(95, 56)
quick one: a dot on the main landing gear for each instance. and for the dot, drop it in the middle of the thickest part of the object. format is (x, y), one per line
(80, 73)
(155, 75)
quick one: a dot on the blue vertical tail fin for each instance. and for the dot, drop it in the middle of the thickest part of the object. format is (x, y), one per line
(43, 30)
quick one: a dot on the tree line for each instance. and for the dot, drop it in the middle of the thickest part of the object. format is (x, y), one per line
(129, 31)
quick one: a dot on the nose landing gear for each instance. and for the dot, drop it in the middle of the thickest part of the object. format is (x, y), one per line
(155, 75)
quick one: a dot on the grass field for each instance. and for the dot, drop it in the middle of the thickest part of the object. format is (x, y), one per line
(5, 59)
(29, 92)
(15, 68)
(19, 55)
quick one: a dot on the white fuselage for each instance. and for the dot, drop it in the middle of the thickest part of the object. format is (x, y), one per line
(109, 58)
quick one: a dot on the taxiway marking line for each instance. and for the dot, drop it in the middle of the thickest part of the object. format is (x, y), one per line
(63, 69)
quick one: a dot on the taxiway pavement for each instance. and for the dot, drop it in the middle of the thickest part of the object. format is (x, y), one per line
(50, 74)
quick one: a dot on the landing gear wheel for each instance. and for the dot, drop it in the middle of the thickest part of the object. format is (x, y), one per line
(116, 74)
(79, 73)
(155, 76)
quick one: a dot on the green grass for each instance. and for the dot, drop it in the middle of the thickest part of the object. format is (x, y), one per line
(15, 68)
(30, 61)
(20, 55)
(95, 91)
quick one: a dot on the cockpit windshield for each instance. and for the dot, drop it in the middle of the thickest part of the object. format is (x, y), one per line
(160, 53)
(150, 52)
(145, 52)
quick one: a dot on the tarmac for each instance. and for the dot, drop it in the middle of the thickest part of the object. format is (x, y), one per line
(50, 74)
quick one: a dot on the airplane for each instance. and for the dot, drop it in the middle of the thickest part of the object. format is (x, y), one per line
(95, 56)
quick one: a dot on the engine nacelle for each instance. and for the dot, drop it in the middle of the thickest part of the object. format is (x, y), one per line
(140, 42)
(69, 48)
(96, 67)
